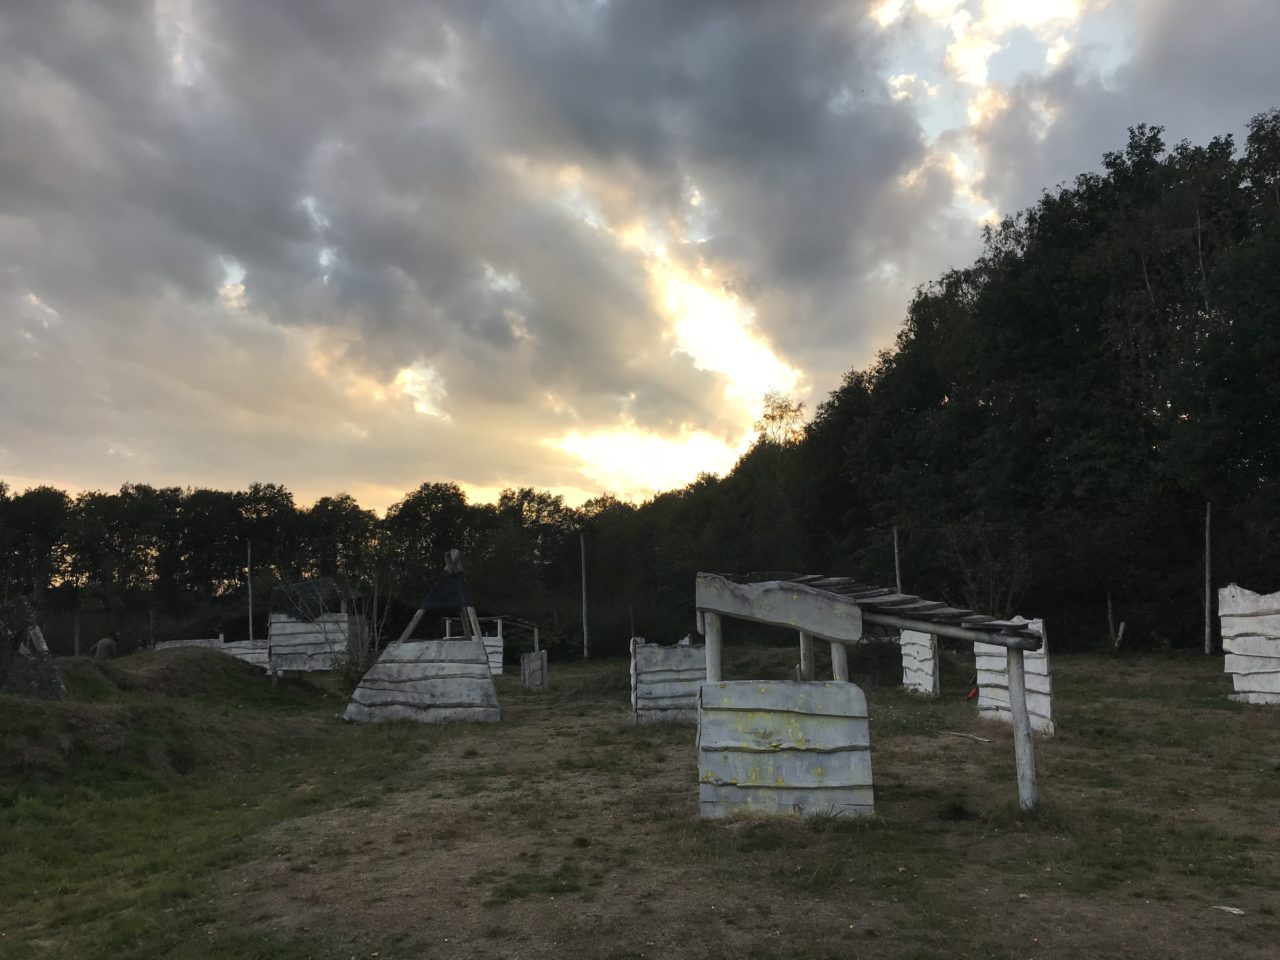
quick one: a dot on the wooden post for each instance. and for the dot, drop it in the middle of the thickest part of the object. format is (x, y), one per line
(1208, 627)
(1024, 755)
(897, 562)
(582, 545)
(536, 648)
(76, 623)
(711, 625)
(408, 631)
(806, 656)
(839, 662)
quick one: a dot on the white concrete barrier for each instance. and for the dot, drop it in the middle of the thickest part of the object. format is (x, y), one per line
(533, 670)
(430, 681)
(920, 663)
(665, 681)
(1251, 641)
(783, 747)
(992, 663)
(304, 645)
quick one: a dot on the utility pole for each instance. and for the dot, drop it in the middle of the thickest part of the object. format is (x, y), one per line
(250, 566)
(1208, 629)
(897, 562)
(582, 546)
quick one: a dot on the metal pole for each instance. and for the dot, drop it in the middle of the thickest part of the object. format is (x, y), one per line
(251, 592)
(582, 544)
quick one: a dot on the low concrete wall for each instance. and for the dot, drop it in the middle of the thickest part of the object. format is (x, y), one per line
(533, 670)
(306, 645)
(920, 663)
(783, 747)
(992, 662)
(1251, 641)
(665, 681)
(430, 681)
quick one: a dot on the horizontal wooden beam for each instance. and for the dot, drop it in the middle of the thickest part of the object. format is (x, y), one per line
(782, 604)
(924, 625)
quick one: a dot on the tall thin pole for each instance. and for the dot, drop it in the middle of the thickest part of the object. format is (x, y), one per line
(582, 545)
(1208, 631)
(897, 562)
(250, 568)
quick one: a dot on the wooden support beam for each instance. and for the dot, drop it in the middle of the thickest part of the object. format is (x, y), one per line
(711, 630)
(1023, 748)
(806, 656)
(955, 633)
(839, 662)
(408, 631)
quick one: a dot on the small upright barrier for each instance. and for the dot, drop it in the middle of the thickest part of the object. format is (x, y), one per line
(665, 681)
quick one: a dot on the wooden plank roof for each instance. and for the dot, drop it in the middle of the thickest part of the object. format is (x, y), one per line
(888, 602)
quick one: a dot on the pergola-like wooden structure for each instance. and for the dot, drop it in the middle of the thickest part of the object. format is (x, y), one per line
(834, 609)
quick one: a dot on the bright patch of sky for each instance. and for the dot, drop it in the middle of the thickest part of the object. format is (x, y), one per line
(635, 464)
(964, 55)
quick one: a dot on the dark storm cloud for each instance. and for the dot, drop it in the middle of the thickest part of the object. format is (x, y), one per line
(1199, 70)
(390, 179)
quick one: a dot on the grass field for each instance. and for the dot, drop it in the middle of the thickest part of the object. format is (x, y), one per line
(182, 807)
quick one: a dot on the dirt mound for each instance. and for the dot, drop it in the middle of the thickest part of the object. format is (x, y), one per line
(157, 714)
(98, 743)
(191, 672)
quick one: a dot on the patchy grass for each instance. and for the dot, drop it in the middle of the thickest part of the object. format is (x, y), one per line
(566, 830)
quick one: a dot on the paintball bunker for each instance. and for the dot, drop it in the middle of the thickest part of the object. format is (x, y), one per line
(26, 666)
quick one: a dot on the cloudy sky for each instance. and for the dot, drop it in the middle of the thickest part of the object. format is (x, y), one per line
(559, 243)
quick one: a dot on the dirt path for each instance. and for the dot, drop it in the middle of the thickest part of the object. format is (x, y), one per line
(567, 831)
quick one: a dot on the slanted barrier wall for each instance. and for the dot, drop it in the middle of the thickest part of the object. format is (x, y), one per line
(665, 681)
(533, 670)
(920, 673)
(786, 747)
(430, 681)
(493, 650)
(993, 682)
(1251, 641)
(306, 645)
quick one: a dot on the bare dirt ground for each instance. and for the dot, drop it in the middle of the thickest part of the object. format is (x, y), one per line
(567, 831)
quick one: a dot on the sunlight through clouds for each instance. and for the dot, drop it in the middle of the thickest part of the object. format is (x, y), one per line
(635, 464)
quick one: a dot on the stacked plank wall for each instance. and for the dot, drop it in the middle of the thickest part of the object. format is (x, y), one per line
(1251, 641)
(992, 662)
(665, 681)
(786, 747)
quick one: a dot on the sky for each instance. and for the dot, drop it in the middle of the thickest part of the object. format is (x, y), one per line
(566, 244)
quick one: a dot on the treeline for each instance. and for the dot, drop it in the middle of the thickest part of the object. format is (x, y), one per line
(1045, 433)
